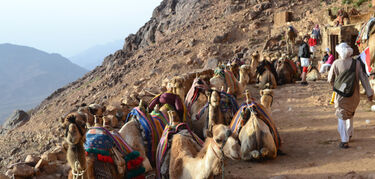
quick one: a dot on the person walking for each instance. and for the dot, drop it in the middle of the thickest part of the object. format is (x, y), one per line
(316, 32)
(324, 68)
(346, 106)
(304, 55)
(312, 43)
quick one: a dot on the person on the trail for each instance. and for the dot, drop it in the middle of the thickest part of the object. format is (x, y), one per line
(316, 32)
(312, 43)
(341, 15)
(324, 68)
(346, 106)
(304, 55)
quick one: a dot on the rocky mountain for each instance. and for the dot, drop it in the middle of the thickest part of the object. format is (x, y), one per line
(95, 55)
(182, 36)
(28, 75)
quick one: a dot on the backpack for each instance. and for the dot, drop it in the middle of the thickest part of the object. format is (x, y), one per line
(344, 83)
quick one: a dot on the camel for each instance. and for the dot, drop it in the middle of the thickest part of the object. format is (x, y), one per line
(118, 111)
(266, 75)
(285, 72)
(75, 125)
(90, 111)
(187, 160)
(312, 74)
(266, 99)
(255, 58)
(245, 75)
(290, 38)
(225, 78)
(132, 133)
(257, 133)
(234, 68)
(368, 40)
(218, 109)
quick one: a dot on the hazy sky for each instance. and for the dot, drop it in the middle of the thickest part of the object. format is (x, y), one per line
(71, 26)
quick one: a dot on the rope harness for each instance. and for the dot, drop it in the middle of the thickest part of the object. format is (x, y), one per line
(77, 174)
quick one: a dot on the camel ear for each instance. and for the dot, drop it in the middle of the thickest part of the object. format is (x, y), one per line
(261, 92)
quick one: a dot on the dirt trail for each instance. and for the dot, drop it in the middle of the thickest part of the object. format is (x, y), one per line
(308, 128)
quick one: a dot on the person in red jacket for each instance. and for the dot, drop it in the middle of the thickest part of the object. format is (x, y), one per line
(312, 44)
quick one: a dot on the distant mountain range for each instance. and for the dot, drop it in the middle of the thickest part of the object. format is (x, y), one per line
(94, 56)
(28, 75)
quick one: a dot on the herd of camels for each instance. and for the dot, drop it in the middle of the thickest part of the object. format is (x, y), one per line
(166, 135)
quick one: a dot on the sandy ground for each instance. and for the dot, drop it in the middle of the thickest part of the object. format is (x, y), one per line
(310, 140)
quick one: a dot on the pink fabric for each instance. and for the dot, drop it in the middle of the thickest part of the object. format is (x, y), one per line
(330, 60)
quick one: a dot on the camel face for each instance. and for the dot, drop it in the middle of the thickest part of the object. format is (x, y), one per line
(73, 134)
(245, 71)
(222, 135)
(215, 99)
(75, 128)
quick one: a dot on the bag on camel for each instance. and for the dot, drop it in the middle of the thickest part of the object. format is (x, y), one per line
(344, 83)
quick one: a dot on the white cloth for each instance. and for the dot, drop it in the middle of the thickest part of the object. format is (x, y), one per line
(324, 68)
(312, 49)
(305, 62)
(345, 128)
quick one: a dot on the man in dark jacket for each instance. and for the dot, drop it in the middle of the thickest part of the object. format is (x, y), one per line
(304, 55)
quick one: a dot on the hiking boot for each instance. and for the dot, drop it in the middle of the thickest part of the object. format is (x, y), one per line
(344, 145)
(304, 83)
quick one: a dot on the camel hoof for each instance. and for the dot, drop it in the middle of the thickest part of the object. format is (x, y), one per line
(264, 152)
(255, 154)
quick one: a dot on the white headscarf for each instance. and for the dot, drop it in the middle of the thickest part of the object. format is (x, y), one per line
(344, 50)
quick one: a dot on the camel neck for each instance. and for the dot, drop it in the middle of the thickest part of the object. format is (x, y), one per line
(212, 160)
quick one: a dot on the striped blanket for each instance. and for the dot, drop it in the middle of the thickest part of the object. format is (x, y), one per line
(194, 92)
(238, 121)
(165, 144)
(151, 131)
(228, 104)
(230, 80)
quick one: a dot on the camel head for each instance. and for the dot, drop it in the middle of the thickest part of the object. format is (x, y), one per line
(213, 97)
(266, 98)
(110, 121)
(176, 86)
(245, 71)
(75, 128)
(173, 118)
(222, 136)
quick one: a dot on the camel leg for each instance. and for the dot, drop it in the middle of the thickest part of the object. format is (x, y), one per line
(269, 148)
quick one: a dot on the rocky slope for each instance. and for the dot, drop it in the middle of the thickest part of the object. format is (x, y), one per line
(28, 75)
(182, 36)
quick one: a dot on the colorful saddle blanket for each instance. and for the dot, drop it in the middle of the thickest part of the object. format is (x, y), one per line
(165, 143)
(228, 104)
(151, 130)
(364, 33)
(238, 121)
(100, 141)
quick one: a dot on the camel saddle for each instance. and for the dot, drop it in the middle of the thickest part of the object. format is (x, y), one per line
(261, 113)
(163, 150)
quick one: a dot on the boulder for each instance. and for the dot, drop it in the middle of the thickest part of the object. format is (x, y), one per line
(211, 63)
(18, 118)
(2, 176)
(49, 156)
(23, 170)
(32, 159)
